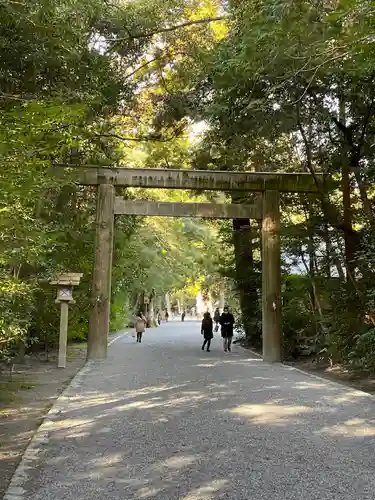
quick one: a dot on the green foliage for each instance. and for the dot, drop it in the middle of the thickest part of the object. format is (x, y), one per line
(15, 317)
(291, 89)
(280, 85)
(164, 255)
(299, 328)
(63, 79)
(120, 309)
(69, 84)
(363, 354)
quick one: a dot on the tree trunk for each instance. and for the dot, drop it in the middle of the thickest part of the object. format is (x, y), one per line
(347, 221)
(364, 198)
(151, 312)
(311, 271)
(158, 306)
(222, 295)
(168, 303)
(327, 241)
(346, 199)
(316, 308)
(245, 277)
(338, 257)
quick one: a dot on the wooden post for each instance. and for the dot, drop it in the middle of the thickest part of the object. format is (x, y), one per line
(101, 288)
(65, 283)
(63, 339)
(271, 278)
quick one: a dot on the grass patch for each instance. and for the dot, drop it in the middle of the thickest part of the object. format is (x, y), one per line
(25, 384)
(7, 394)
(10, 387)
(80, 345)
(75, 351)
(72, 355)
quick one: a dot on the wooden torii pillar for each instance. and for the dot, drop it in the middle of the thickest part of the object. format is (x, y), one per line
(271, 278)
(270, 184)
(97, 340)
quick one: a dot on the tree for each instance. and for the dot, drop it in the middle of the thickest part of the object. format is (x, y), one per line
(65, 77)
(291, 87)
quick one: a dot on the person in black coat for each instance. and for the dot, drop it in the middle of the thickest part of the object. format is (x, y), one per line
(217, 319)
(227, 322)
(207, 330)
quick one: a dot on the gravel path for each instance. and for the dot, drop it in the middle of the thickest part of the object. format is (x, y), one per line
(163, 420)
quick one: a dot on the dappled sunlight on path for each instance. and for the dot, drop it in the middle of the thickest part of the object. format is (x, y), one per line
(164, 420)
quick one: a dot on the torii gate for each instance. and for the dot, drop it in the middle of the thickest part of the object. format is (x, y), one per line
(264, 208)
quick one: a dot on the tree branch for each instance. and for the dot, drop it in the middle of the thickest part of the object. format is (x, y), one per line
(170, 28)
(163, 58)
(144, 65)
(139, 139)
(16, 97)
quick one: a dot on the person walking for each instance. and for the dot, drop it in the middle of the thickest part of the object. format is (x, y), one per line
(166, 315)
(227, 322)
(207, 330)
(158, 317)
(183, 316)
(217, 319)
(140, 326)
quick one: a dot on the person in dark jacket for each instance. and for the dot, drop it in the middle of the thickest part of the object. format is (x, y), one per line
(158, 317)
(207, 330)
(227, 322)
(217, 319)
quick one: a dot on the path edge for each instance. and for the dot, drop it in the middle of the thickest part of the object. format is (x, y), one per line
(287, 367)
(15, 490)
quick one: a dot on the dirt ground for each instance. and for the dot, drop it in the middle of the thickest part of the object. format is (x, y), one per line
(361, 381)
(25, 398)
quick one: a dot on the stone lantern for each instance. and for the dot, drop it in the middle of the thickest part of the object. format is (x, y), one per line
(65, 283)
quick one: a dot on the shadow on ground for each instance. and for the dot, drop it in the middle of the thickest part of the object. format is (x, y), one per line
(180, 424)
(36, 385)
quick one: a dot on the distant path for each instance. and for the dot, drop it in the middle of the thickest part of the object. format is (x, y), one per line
(163, 420)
